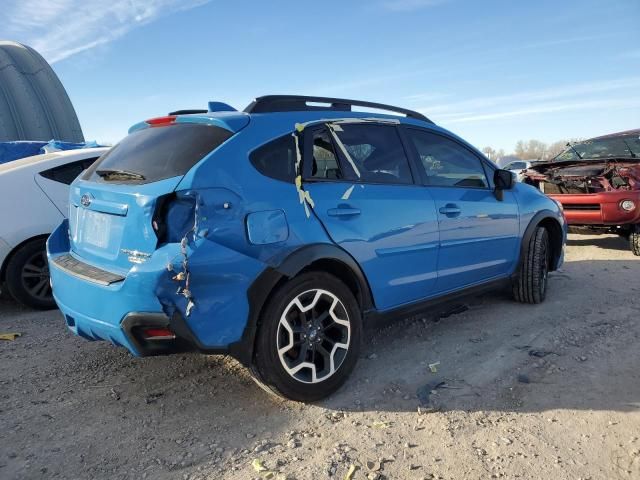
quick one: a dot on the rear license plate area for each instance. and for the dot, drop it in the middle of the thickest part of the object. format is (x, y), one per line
(96, 228)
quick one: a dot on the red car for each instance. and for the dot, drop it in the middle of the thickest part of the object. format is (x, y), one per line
(597, 181)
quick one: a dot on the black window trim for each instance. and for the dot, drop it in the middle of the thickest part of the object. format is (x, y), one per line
(415, 158)
(307, 142)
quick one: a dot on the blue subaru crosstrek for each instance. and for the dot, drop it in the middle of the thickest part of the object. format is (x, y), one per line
(278, 233)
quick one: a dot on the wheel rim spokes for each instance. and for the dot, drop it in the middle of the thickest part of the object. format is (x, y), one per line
(35, 276)
(313, 336)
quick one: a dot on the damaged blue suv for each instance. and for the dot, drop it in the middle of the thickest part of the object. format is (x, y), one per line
(276, 234)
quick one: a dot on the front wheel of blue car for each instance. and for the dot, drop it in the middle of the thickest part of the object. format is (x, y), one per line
(309, 337)
(530, 282)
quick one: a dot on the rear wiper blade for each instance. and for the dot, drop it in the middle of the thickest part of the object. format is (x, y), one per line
(120, 173)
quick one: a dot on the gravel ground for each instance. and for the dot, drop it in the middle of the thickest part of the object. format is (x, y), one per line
(546, 391)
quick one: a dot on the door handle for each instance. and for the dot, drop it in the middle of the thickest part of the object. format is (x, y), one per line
(343, 212)
(450, 210)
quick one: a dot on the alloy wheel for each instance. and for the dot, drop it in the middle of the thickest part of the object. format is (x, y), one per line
(35, 276)
(313, 336)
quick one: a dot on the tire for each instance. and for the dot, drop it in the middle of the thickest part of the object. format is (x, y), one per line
(33, 103)
(27, 276)
(325, 300)
(530, 283)
(634, 242)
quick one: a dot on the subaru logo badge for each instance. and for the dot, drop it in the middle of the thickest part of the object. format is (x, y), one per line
(85, 200)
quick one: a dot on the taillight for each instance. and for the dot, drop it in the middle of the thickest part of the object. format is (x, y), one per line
(174, 217)
(158, 333)
(161, 121)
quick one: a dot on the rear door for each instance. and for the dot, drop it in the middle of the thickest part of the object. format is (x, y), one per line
(363, 188)
(479, 235)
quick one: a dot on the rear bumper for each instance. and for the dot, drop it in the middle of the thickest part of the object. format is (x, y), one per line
(599, 208)
(146, 297)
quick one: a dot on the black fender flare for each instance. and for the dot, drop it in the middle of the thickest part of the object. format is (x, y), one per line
(537, 219)
(289, 267)
(305, 256)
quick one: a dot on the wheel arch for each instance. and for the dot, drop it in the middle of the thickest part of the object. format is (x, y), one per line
(318, 257)
(16, 249)
(546, 219)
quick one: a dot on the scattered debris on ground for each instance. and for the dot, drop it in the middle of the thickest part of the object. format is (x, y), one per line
(493, 409)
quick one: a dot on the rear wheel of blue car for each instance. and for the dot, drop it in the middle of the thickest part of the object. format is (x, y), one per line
(530, 283)
(309, 337)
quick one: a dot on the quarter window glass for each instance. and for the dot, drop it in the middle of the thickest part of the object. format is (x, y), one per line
(446, 163)
(375, 152)
(276, 159)
(325, 162)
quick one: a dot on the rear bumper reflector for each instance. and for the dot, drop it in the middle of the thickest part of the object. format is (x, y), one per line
(79, 269)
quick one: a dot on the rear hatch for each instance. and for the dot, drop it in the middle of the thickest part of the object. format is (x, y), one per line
(112, 205)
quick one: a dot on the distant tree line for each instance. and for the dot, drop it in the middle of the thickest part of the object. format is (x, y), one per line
(529, 150)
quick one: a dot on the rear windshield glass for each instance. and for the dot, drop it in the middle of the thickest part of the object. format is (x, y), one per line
(157, 153)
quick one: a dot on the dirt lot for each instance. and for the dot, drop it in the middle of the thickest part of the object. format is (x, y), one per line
(548, 391)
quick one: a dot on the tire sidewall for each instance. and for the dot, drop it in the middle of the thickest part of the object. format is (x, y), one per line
(267, 359)
(543, 279)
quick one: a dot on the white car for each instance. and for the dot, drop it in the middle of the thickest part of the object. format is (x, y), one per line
(518, 167)
(34, 199)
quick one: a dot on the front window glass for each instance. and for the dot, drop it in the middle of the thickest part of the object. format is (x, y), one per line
(446, 163)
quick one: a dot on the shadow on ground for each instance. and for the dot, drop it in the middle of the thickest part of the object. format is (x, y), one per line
(578, 350)
(610, 242)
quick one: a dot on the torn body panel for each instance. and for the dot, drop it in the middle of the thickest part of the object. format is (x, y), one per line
(214, 266)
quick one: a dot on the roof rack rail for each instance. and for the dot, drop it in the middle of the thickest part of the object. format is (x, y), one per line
(300, 103)
(187, 112)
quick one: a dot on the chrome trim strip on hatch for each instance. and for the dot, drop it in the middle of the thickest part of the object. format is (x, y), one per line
(75, 267)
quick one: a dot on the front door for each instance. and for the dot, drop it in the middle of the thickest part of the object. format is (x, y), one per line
(479, 235)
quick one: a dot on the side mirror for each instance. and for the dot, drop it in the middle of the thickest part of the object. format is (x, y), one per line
(503, 180)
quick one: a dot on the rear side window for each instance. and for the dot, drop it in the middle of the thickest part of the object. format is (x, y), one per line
(374, 153)
(69, 172)
(157, 153)
(276, 159)
(325, 162)
(446, 163)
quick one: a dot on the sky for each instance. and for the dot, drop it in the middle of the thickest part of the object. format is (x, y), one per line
(492, 71)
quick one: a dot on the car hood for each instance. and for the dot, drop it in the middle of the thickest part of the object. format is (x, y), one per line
(587, 162)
